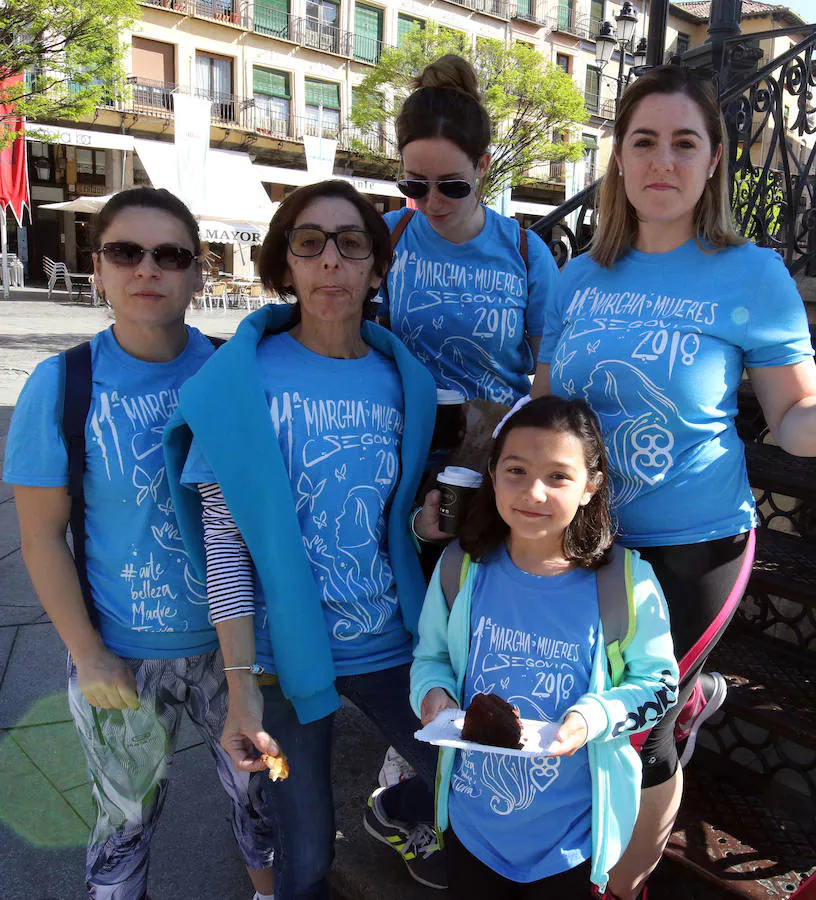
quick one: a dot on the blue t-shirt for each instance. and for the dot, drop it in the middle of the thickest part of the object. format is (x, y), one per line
(532, 643)
(464, 310)
(339, 425)
(656, 345)
(149, 601)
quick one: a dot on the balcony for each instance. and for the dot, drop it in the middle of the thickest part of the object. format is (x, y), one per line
(498, 8)
(570, 21)
(156, 98)
(367, 49)
(233, 12)
(353, 139)
(530, 11)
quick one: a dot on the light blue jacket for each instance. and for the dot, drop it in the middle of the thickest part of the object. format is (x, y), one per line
(648, 689)
(224, 406)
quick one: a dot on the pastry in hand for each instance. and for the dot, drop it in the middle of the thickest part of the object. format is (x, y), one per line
(492, 721)
(278, 766)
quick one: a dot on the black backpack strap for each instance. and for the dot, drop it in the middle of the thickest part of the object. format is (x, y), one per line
(450, 571)
(616, 605)
(215, 341)
(76, 405)
(523, 249)
(396, 234)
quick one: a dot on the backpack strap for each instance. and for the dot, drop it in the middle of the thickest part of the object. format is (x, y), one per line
(617, 607)
(452, 571)
(76, 405)
(215, 341)
(396, 234)
(523, 249)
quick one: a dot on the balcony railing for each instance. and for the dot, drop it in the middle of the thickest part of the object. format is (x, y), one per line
(499, 8)
(570, 21)
(531, 11)
(141, 95)
(236, 12)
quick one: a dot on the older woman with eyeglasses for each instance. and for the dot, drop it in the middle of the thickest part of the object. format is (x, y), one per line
(467, 289)
(303, 442)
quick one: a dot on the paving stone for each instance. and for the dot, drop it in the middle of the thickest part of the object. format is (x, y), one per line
(82, 802)
(55, 751)
(33, 689)
(9, 528)
(31, 808)
(7, 636)
(19, 615)
(40, 873)
(17, 587)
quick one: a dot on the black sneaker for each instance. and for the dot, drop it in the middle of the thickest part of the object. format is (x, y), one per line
(708, 696)
(416, 844)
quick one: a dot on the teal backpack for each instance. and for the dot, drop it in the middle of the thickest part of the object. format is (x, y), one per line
(616, 599)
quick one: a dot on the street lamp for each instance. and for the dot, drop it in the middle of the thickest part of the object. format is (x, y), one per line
(623, 38)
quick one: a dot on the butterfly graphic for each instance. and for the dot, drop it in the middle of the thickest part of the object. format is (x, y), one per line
(409, 335)
(562, 359)
(167, 508)
(321, 521)
(340, 474)
(308, 492)
(505, 683)
(438, 322)
(569, 387)
(146, 484)
(593, 347)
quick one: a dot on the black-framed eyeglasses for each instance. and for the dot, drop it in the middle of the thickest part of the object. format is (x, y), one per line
(127, 254)
(418, 188)
(351, 243)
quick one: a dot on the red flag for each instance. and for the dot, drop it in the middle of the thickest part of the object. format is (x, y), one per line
(13, 168)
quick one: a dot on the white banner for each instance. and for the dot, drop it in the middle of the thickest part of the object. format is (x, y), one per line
(192, 124)
(320, 153)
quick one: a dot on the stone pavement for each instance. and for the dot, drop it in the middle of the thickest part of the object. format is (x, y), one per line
(45, 803)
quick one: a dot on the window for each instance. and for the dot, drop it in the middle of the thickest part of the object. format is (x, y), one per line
(563, 62)
(272, 17)
(374, 137)
(682, 42)
(90, 165)
(565, 15)
(214, 81)
(272, 101)
(596, 17)
(154, 65)
(524, 9)
(41, 157)
(322, 32)
(590, 157)
(592, 91)
(368, 23)
(405, 24)
(322, 108)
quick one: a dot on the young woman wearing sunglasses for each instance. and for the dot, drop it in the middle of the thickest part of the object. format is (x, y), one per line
(459, 293)
(140, 643)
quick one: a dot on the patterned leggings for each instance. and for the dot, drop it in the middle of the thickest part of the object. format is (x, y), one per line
(128, 753)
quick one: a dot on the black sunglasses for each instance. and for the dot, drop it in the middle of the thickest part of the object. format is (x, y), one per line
(351, 243)
(168, 257)
(418, 188)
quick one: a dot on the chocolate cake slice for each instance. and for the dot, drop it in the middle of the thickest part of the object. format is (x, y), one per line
(492, 721)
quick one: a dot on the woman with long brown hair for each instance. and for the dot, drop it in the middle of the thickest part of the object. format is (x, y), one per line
(653, 327)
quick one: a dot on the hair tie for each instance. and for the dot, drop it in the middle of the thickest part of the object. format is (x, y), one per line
(516, 407)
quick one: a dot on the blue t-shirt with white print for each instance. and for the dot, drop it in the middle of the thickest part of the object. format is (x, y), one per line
(657, 345)
(464, 310)
(532, 643)
(339, 425)
(149, 601)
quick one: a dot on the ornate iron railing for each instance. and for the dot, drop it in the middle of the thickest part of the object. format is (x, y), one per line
(768, 113)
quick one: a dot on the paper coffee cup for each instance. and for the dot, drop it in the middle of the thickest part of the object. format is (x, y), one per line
(457, 486)
(450, 419)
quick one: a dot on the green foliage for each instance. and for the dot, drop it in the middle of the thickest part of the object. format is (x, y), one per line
(527, 98)
(69, 52)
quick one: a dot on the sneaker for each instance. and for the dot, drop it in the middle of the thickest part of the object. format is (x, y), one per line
(706, 698)
(416, 844)
(394, 769)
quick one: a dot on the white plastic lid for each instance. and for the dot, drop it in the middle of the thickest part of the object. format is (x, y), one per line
(445, 397)
(460, 476)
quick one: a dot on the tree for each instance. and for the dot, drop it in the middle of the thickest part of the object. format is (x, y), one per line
(533, 105)
(68, 52)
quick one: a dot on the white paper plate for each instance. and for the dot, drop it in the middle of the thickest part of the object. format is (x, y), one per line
(446, 731)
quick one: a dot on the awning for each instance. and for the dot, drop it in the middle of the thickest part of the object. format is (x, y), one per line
(298, 177)
(216, 232)
(88, 204)
(233, 192)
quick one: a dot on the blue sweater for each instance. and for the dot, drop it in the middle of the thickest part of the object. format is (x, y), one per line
(226, 410)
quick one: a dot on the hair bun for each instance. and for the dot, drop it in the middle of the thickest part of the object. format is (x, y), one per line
(451, 72)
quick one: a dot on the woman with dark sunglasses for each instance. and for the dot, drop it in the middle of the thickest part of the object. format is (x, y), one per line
(141, 648)
(298, 449)
(459, 293)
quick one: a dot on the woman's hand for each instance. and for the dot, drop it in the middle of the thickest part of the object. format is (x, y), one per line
(243, 732)
(106, 681)
(426, 523)
(434, 702)
(571, 736)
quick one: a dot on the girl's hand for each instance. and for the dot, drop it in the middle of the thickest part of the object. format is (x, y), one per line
(434, 702)
(427, 521)
(106, 681)
(244, 733)
(571, 736)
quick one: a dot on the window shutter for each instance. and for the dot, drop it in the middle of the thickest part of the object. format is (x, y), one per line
(524, 8)
(404, 25)
(272, 17)
(273, 84)
(367, 32)
(324, 92)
